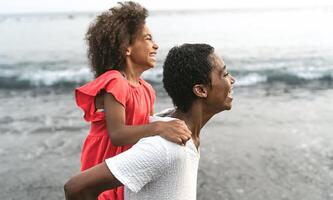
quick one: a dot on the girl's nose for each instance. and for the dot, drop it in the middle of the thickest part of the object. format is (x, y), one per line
(155, 46)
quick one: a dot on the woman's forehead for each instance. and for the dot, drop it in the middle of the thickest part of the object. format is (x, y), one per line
(218, 62)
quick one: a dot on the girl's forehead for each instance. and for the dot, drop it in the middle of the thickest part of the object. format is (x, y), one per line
(145, 30)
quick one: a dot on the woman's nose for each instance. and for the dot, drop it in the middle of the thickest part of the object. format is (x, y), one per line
(233, 80)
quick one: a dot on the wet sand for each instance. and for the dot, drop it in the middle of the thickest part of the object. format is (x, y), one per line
(269, 146)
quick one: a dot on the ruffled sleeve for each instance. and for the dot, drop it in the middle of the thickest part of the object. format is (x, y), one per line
(112, 82)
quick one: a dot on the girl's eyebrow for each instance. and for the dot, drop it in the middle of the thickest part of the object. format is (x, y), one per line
(224, 67)
(148, 34)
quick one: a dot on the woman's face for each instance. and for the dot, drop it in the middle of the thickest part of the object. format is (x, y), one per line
(220, 93)
(142, 53)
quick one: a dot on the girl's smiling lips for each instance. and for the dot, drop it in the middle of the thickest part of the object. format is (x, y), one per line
(152, 55)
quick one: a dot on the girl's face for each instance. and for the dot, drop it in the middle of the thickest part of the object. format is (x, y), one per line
(142, 53)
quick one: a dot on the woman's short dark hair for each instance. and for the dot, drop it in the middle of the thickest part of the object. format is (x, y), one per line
(184, 67)
(111, 33)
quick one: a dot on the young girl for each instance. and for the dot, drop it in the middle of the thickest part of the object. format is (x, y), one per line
(118, 102)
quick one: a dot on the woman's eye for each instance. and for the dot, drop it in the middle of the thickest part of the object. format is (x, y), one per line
(226, 74)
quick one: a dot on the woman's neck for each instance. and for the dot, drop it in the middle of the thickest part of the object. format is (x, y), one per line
(195, 118)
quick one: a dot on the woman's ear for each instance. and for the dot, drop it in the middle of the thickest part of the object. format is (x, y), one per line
(200, 91)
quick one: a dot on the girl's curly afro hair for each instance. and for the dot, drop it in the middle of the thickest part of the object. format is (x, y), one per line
(111, 33)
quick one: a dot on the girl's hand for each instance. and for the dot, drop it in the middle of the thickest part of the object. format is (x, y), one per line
(175, 131)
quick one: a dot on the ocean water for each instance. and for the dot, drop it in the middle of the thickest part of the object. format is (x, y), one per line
(276, 143)
(291, 46)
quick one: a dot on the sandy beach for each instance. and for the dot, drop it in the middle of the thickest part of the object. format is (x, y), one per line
(279, 147)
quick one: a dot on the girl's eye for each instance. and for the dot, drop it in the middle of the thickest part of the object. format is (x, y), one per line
(226, 74)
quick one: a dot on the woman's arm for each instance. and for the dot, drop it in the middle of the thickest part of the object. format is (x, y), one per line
(121, 134)
(90, 183)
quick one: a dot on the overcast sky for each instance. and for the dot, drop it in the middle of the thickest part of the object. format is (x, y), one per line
(32, 6)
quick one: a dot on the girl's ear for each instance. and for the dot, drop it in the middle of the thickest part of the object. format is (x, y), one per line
(200, 90)
(128, 51)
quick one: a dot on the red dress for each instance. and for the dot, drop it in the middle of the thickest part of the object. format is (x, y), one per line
(138, 102)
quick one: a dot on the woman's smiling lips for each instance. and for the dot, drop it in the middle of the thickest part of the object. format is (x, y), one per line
(230, 93)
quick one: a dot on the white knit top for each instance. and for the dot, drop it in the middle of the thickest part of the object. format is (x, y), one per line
(157, 169)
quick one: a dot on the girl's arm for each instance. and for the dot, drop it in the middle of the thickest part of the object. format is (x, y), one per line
(121, 134)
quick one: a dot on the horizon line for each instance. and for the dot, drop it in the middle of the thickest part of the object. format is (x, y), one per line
(191, 10)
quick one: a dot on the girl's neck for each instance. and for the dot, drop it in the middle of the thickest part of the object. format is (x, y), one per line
(132, 74)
